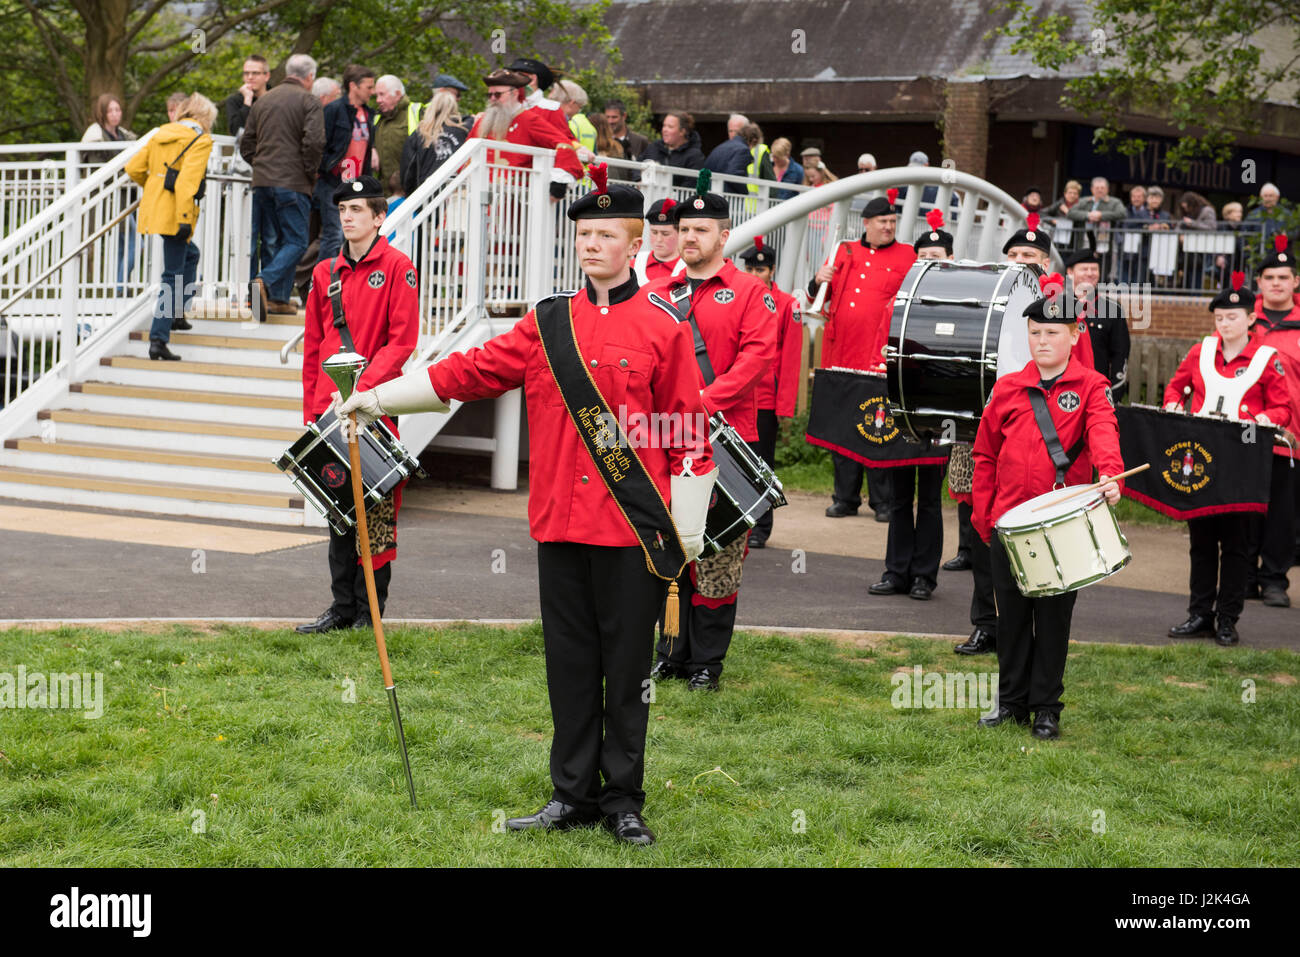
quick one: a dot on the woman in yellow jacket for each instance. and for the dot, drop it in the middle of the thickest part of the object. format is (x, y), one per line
(182, 146)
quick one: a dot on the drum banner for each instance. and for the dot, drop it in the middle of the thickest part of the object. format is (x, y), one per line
(626, 477)
(1199, 466)
(849, 414)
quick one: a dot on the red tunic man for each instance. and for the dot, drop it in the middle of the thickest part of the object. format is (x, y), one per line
(507, 119)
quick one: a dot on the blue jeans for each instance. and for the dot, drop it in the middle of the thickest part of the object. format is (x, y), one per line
(331, 230)
(291, 209)
(180, 270)
(264, 237)
(126, 244)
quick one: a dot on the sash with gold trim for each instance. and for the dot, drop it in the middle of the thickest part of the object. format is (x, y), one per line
(621, 469)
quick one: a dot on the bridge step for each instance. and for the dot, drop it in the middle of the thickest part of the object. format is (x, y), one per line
(167, 490)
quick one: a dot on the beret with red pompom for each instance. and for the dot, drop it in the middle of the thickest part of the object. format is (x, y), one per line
(761, 255)
(881, 205)
(1235, 295)
(1281, 257)
(606, 201)
(1050, 308)
(1031, 235)
(936, 236)
(661, 212)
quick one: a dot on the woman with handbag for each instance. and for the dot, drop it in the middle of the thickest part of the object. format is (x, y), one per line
(172, 170)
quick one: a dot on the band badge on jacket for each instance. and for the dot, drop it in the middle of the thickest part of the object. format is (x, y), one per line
(1189, 467)
(411, 278)
(723, 296)
(769, 302)
(375, 279)
(1068, 401)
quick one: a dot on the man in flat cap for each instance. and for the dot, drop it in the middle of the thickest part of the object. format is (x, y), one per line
(508, 119)
(373, 287)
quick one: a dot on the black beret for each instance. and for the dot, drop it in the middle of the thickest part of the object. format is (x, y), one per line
(1050, 309)
(363, 187)
(661, 212)
(934, 237)
(1281, 257)
(759, 256)
(545, 78)
(1083, 256)
(879, 206)
(708, 206)
(617, 202)
(1229, 298)
(1038, 238)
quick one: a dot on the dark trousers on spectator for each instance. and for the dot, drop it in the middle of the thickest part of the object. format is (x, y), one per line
(1273, 536)
(765, 449)
(331, 229)
(1217, 581)
(1033, 635)
(915, 544)
(264, 238)
(983, 607)
(291, 209)
(848, 484)
(179, 273)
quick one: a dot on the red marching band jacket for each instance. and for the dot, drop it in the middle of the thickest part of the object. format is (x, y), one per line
(1267, 394)
(1012, 464)
(779, 389)
(654, 269)
(1283, 336)
(536, 126)
(861, 294)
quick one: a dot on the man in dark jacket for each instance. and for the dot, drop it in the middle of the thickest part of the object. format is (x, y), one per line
(282, 141)
(237, 106)
(349, 149)
(679, 145)
(732, 157)
(633, 143)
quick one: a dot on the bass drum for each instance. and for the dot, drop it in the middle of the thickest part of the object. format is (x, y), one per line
(957, 328)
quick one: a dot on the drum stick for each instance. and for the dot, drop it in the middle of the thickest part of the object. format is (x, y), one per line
(368, 565)
(1092, 488)
(816, 307)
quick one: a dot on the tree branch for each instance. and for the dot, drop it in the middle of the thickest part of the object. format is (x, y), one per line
(149, 12)
(67, 89)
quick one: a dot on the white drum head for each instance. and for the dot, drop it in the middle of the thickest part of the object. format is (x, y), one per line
(1025, 516)
(1013, 337)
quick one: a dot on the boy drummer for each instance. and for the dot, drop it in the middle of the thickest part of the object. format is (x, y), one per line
(1055, 402)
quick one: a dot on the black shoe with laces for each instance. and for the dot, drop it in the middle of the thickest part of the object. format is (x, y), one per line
(702, 680)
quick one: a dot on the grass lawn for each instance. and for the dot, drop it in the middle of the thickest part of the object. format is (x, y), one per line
(255, 733)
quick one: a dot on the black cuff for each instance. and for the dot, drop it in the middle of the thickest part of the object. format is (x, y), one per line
(813, 287)
(558, 190)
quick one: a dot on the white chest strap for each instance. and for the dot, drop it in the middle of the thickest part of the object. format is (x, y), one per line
(1223, 394)
(639, 264)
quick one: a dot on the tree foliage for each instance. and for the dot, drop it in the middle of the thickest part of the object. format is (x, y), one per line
(1194, 63)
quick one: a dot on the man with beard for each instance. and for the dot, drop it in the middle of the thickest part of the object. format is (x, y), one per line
(507, 119)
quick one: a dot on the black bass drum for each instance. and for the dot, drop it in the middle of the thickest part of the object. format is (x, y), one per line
(957, 327)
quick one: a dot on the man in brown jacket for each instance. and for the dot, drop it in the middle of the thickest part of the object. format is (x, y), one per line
(283, 141)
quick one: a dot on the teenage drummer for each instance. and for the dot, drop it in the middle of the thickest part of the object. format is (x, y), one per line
(379, 303)
(1231, 365)
(1013, 465)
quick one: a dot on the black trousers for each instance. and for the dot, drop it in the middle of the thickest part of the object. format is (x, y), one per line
(965, 530)
(599, 606)
(1218, 550)
(1033, 634)
(848, 484)
(1273, 536)
(765, 449)
(983, 607)
(915, 545)
(348, 578)
(705, 633)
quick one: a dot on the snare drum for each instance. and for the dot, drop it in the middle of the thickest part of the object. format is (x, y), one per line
(957, 327)
(1062, 547)
(318, 464)
(745, 490)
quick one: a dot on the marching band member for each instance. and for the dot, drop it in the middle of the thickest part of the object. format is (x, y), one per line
(378, 301)
(1230, 372)
(1013, 465)
(602, 575)
(1277, 324)
(864, 278)
(1107, 325)
(1033, 246)
(658, 258)
(779, 388)
(735, 315)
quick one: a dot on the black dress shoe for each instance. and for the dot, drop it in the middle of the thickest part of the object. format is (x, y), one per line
(757, 540)
(363, 622)
(1046, 726)
(665, 670)
(882, 516)
(1004, 714)
(836, 510)
(959, 564)
(887, 586)
(158, 350)
(1275, 596)
(920, 591)
(556, 815)
(181, 325)
(326, 622)
(980, 642)
(628, 826)
(1227, 633)
(702, 680)
(1197, 626)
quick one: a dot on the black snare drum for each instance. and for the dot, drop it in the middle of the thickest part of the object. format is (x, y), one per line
(319, 466)
(957, 327)
(746, 488)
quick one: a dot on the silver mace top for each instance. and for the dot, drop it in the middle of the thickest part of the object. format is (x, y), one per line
(344, 368)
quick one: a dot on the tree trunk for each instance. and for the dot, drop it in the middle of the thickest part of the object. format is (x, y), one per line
(105, 55)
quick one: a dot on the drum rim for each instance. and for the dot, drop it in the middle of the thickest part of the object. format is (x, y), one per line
(1084, 504)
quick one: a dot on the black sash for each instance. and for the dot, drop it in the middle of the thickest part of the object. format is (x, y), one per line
(621, 469)
(1060, 458)
(681, 294)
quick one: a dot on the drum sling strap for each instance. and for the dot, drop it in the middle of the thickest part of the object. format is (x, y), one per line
(682, 294)
(621, 469)
(335, 292)
(1060, 458)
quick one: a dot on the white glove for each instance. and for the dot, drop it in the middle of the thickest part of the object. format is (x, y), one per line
(690, 508)
(412, 392)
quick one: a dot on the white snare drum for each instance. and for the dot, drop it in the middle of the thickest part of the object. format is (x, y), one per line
(1062, 547)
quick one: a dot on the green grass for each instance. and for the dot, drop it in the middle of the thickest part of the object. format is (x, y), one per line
(256, 734)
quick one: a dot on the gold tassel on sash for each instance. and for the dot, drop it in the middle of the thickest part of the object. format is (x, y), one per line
(672, 615)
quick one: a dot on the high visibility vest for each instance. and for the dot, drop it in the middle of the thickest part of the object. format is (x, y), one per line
(583, 131)
(413, 117)
(756, 164)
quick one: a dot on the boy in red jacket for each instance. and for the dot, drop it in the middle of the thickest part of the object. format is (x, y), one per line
(1013, 465)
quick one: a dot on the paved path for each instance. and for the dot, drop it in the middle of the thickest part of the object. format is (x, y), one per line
(465, 554)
